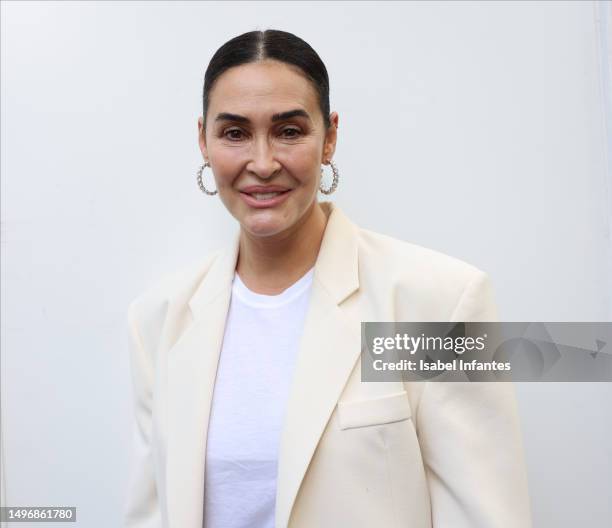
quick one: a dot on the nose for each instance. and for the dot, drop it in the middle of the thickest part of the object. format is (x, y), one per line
(263, 162)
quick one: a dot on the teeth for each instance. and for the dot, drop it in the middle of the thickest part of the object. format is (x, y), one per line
(265, 196)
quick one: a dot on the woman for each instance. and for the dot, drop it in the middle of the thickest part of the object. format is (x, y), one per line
(250, 408)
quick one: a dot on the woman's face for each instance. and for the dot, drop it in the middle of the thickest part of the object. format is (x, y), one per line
(265, 134)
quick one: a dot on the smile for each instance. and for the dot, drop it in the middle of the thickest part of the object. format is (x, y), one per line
(265, 196)
(269, 199)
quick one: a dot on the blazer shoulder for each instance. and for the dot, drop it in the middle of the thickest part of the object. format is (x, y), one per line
(407, 257)
(424, 283)
(175, 285)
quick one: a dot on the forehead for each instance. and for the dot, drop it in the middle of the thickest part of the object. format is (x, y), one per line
(264, 86)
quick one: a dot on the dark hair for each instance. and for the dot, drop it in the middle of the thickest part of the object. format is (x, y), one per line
(270, 44)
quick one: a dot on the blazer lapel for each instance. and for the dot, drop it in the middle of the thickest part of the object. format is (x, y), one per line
(192, 367)
(328, 351)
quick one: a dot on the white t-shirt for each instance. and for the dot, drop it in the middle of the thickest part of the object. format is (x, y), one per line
(258, 354)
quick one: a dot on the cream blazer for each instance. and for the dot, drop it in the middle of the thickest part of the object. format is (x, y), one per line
(352, 454)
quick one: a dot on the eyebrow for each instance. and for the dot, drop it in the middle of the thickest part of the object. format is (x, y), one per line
(298, 112)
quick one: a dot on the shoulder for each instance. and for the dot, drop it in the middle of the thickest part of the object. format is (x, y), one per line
(406, 257)
(414, 275)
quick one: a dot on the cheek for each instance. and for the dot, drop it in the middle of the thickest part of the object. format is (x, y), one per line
(304, 164)
(227, 166)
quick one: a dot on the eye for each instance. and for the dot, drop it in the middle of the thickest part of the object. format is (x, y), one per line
(293, 132)
(233, 134)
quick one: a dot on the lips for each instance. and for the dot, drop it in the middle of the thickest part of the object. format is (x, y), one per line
(260, 196)
(264, 196)
(264, 192)
(262, 189)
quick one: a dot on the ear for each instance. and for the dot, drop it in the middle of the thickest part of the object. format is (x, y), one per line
(331, 136)
(202, 138)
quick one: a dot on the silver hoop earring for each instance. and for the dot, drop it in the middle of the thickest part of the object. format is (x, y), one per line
(200, 184)
(334, 184)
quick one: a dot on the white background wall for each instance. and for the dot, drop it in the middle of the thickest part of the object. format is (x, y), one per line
(477, 129)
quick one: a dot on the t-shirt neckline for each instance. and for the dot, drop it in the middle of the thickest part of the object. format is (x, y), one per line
(260, 300)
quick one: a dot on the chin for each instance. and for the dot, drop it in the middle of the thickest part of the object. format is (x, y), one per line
(263, 227)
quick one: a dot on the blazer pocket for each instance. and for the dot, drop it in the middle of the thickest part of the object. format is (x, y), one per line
(377, 411)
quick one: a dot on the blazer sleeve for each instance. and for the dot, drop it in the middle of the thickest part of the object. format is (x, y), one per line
(471, 440)
(141, 507)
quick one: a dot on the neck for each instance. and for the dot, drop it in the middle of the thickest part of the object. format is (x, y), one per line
(269, 265)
